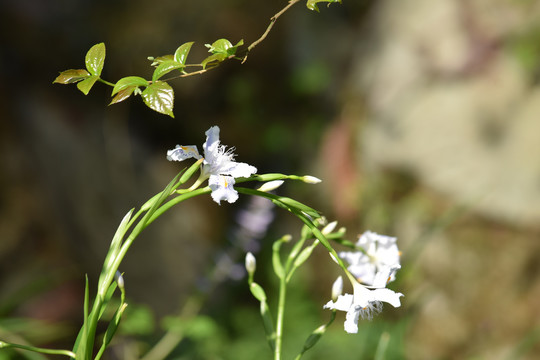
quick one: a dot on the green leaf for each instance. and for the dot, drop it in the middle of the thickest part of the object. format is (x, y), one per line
(312, 4)
(95, 58)
(215, 58)
(87, 84)
(159, 96)
(71, 76)
(123, 94)
(127, 82)
(304, 255)
(220, 49)
(166, 67)
(160, 59)
(182, 52)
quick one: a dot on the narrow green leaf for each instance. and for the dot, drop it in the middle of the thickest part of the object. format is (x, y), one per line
(159, 96)
(71, 76)
(81, 342)
(166, 67)
(95, 58)
(304, 255)
(127, 82)
(312, 4)
(111, 330)
(87, 84)
(182, 52)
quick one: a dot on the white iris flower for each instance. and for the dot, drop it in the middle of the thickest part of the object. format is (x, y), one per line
(375, 253)
(364, 302)
(218, 166)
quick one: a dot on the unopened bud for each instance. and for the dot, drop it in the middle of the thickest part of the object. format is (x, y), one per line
(337, 288)
(311, 179)
(119, 279)
(270, 185)
(286, 238)
(329, 228)
(251, 263)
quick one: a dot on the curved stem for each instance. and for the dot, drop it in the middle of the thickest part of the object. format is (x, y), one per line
(5, 345)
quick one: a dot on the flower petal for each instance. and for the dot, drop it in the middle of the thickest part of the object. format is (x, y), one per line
(180, 153)
(351, 321)
(237, 169)
(387, 296)
(222, 188)
(343, 303)
(212, 140)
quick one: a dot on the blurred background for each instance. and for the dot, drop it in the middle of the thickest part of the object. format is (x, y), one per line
(421, 117)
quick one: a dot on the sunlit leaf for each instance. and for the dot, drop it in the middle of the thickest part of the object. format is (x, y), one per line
(87, 84)
(166, 67)
(123, 95)
(224, 46)
(129, 81)
(95, 58)
(182, 52)
(71, 76)
(215, 58)
(159, 96)
(312, 4)
(160, 59)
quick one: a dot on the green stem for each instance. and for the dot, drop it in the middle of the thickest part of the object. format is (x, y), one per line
(280, 316)
(105, 82)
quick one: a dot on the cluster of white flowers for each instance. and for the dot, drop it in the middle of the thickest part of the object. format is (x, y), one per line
(374, 265)
(218, 167)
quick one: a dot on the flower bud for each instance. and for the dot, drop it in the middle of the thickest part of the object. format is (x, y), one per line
(251, 263)
(270, 185)
(119, 279)
(337, 288)
(329, 228)
(311, 179)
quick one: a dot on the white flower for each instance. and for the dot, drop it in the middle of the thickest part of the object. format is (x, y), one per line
(364, 303)
(218, 166)
(379, 251)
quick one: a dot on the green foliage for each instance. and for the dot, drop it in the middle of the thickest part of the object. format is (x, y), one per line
(221, 49)
(312, 4)
(95, 59)
(159, 96)
(126, 86)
